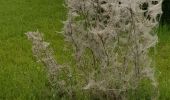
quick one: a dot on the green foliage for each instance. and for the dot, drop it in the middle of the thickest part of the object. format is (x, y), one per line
(166, 10)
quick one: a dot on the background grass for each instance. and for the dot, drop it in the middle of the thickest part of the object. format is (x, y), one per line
(21, 78)
(163, 62)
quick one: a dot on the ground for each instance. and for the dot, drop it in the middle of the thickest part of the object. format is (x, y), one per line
(21, 77)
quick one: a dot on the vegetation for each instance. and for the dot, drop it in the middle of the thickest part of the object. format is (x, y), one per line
(21, 78)
(166, 9)
(20, 75)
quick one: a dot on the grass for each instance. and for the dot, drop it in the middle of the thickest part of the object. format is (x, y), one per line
(163, 62)
(21, 77)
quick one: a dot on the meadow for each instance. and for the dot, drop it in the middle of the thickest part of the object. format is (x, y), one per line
(21, 77)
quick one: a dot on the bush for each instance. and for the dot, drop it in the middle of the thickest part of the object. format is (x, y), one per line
(111, 41)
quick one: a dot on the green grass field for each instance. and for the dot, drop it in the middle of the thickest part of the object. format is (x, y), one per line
(21, 77)
(163, 63)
